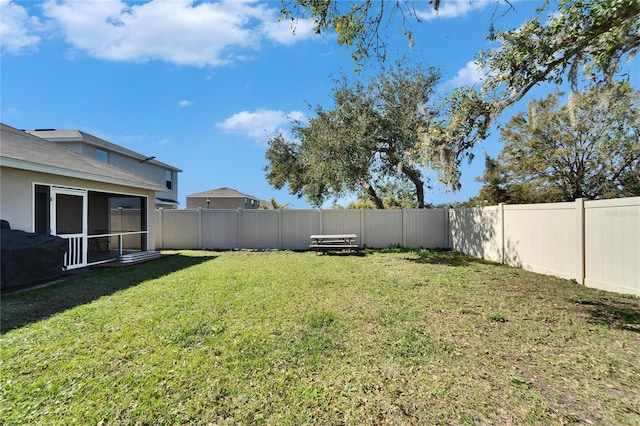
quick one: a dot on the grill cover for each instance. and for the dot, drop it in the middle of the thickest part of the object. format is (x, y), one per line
(28, 258)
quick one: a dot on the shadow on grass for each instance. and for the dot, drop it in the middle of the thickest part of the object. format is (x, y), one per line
(438, 257)
(622, 312)
(27, 307)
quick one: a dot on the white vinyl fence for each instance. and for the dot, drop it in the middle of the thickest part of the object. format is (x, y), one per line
(596, 243)
(612, 245)
(543, 238)
(290, 229)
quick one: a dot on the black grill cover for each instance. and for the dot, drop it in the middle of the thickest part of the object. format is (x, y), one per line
(28, 258)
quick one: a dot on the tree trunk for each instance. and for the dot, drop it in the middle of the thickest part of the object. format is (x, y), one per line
(414, 177)
(371, 192)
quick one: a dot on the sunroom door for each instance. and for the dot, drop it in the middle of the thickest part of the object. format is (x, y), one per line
(69, 221)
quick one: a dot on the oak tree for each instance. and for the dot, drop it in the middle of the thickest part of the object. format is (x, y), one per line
(368, 138)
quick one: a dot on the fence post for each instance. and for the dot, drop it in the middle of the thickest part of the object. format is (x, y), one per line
(159, 226)
(404, 230)
(320, 220)
(362, 226)
(501, 218)
(446, 231)
(200, 228)
(239, 233)
(279, 229)
(581, 240)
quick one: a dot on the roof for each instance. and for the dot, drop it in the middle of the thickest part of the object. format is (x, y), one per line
(167, 201)
(62, 136)
(222, 193)
(21, 150)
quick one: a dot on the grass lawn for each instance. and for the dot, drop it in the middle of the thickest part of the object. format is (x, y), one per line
(386, 337)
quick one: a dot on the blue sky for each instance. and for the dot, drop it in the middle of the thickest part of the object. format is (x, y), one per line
(202, 85)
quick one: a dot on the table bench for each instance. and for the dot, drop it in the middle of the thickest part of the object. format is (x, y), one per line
(321, 243)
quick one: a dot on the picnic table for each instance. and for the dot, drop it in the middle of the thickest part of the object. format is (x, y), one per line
(333, 242)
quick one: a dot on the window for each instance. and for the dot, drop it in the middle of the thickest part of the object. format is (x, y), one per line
(102, 156)
(169, 179)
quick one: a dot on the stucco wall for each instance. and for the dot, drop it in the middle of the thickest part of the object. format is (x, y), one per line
(16, 196)
(147, 170)
(16, 199)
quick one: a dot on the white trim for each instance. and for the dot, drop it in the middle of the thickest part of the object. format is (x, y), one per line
(70, 190)
(76, 188)
(81, 260)
(33, 205)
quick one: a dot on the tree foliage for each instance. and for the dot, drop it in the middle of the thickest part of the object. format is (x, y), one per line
(588, 148)
(463, 120)
(566, 37)
(589, 35)
(592, 36)
(394, 195)
(368, 138)
(356, 23)
(273, 205)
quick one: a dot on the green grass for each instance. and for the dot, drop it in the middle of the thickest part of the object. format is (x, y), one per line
(386, 337)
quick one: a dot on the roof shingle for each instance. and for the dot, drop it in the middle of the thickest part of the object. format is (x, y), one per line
(19, 149)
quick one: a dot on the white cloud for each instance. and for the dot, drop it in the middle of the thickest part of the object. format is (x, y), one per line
(287, 32)
(185, 103)
(14, 111)
(184, 32)
(259, 124)
(17, 28)
(454, 9)
(468, 76)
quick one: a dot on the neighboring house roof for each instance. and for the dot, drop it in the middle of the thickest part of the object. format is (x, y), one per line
(62, 136)
(21, 150)
(222, 193)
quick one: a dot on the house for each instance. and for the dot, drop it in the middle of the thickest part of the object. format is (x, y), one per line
(222, 198)
(105, 213)
(130, 161)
